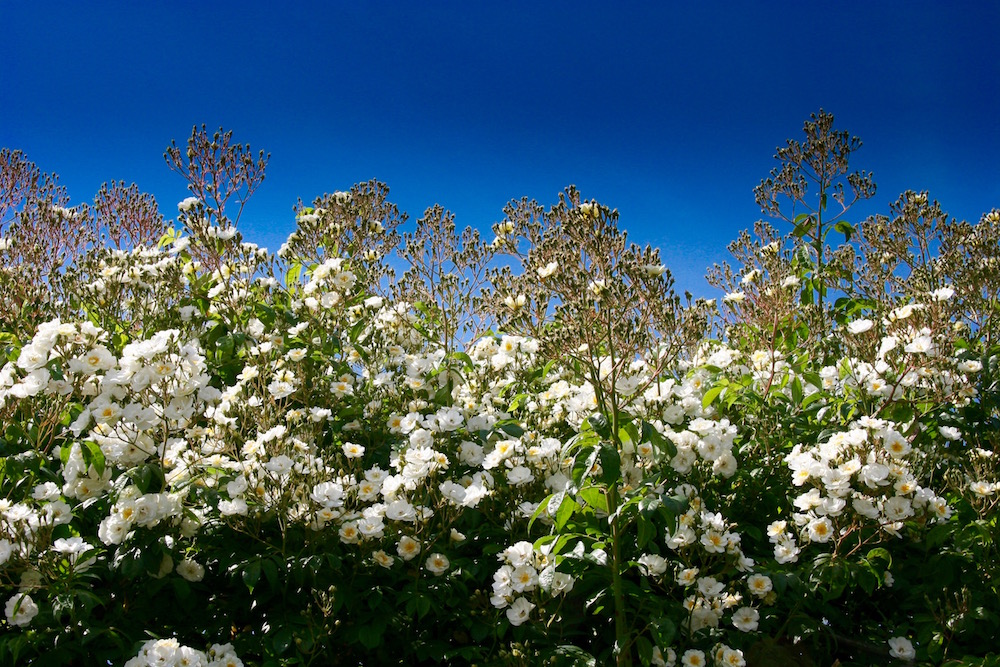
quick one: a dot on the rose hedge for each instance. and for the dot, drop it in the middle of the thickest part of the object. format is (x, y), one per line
(217, 456)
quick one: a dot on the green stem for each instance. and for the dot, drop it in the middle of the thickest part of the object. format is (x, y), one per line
(622, 644)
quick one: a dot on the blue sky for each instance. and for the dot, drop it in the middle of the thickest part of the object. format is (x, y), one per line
(668, 111)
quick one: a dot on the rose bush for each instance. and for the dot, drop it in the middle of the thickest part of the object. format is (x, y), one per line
(527, 451)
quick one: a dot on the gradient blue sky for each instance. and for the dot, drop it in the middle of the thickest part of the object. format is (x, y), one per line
(668, 111)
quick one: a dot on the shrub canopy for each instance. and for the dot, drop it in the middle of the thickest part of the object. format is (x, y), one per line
(521, 451)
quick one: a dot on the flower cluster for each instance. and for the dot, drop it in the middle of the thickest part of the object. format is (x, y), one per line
(856, 476)
(525, 569)
(157, 652)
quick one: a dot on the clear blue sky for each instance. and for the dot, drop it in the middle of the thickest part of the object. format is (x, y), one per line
(668, 111)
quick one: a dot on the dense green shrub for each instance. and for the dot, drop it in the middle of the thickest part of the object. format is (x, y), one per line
(518, 452)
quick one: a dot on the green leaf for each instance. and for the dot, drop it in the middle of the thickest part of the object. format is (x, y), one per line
(797, 393)
(250, 574)
(868, 580)
(265, 314)
(371, 633)
(517, 402)
(149, 477)
(283, 638)
(583, 463)
(600, 424)
(935, 648)
(595, 497)
(93, 455)
(663, 631)
(670, 509)
(803, 225)
(225, 345)
(845, 228)
(423, 606)
(443, 395)
(629, 433)
(836, 577)
(611, 464)
(293, 273)
(413, 605)
(651, 435)
(512, 429)
(270, 570)
(880, 554)
(648, 505)
(812, 378)
(88, 600)
(559, 542)
(182, 589)
(712, 394)
(647, 531)
(464, 358)
(543, 507)
(578, 657)
(806, 295)
(645, 648)
(563, 511)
